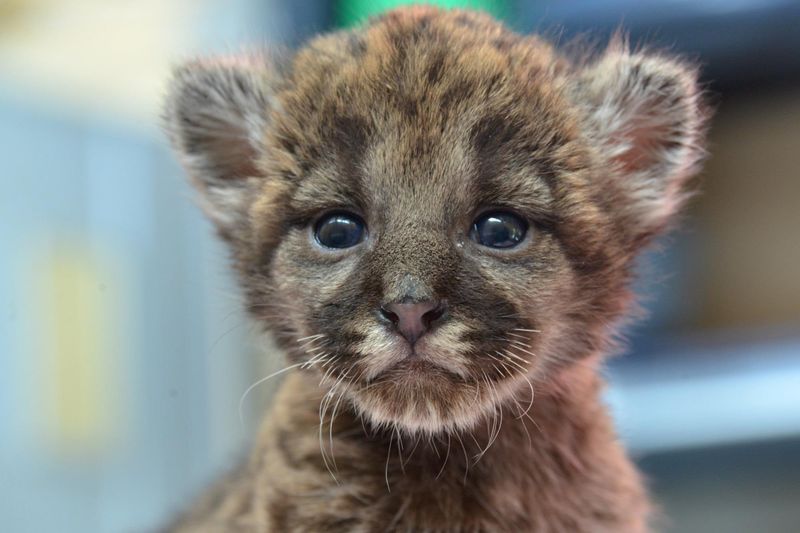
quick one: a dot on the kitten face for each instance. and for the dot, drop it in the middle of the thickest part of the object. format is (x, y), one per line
(418, 205)
(410, 131)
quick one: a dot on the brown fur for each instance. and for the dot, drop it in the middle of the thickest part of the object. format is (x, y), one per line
(418, 122)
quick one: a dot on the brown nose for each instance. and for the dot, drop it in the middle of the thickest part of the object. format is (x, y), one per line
(412, 320)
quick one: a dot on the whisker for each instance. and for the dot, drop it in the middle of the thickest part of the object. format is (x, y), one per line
(509, 353)
(529, 417)
(496, 370)
(524, 425)
(333, 413)
(526, 351)
(495, 427)
(225, 334)
(447, 456)
(530, 404)
(416, 443)
(400, 450)
(327, 375)
(500, 423)
(386, 468)
(259, 382)
(309, 341)
(512, 362)
(323, 408)
(330, 428)
(315, 359)
(466, 457)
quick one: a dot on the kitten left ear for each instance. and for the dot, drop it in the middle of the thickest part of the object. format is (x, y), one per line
(216, 115)
(644, 113)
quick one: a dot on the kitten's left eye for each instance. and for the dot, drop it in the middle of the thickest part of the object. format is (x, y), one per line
(498, 229)
(340, 230)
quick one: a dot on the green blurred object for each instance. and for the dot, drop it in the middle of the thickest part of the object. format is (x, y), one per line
(350, 12)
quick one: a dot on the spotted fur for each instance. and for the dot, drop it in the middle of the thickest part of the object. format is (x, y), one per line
(418, 122)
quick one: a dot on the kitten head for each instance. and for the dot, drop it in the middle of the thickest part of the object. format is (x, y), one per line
(433, 212)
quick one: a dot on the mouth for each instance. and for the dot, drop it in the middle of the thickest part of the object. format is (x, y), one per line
(415, 365)
(425, 361)
(419, 369)
(418, 395)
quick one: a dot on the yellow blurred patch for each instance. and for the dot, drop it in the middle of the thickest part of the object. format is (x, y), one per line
(78, 333)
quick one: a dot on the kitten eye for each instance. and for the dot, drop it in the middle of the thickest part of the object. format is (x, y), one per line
(340, 230)
(498, 229)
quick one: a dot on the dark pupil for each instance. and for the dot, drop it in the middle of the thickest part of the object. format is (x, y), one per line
(499, 231)
(339, 231)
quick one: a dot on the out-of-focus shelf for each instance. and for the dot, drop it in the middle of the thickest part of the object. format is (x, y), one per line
(105, 60)
(707, 395)
(737, 42)
(111, 61)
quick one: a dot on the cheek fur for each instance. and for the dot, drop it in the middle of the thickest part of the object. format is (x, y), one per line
(448, 347)
(377, 351)
(301, 287)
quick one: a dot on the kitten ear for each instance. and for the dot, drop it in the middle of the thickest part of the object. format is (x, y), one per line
(644, 113)
(216, 115)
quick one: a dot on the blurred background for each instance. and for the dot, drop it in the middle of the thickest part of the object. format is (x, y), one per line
(123, 353)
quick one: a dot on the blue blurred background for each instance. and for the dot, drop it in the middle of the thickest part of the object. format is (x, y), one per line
(123, 353)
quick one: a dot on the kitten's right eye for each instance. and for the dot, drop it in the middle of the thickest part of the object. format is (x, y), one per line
(340, 230)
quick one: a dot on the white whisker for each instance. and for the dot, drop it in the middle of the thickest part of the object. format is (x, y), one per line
(259, 382)
(317, 336)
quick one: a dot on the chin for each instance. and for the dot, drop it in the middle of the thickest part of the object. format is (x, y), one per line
(419, 398)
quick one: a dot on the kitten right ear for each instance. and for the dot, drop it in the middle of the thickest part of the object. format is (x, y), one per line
(216, 115)
(644, 112)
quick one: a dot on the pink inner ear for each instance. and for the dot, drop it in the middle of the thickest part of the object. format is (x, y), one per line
(232, 154)
(647, 143)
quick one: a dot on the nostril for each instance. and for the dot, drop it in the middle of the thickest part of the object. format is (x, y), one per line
(433, 315)
(389, 315)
